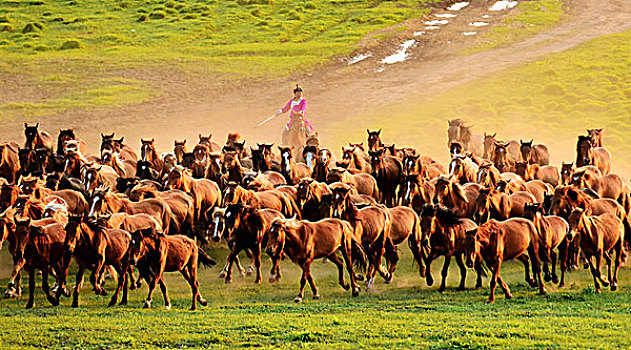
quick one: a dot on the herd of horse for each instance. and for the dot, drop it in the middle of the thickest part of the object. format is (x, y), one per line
(154, 213)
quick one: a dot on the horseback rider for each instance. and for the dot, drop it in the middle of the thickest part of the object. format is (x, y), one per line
(297, 107)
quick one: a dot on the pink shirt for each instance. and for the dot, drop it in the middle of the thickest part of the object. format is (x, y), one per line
(300, 105)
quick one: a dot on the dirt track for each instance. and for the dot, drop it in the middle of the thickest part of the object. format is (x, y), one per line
(335, 92)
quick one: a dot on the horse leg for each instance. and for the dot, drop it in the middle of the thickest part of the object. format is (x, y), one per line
(31, 288)
(444, 272)
(98, 271)
(379, 252)
(609, 266)
(504, 287)
(599, 259)
(250, 254)
(121, 280)
(536, 269)
(526, 261)
(340, 269)
(190, 274)
(563, 250)
(303, 281)
(163, 289)
(392, 258)
(595, 274)
(546, 268)
(429, 279)
(231, 257)
(314, 289)
(495, 268)
(463, 272)
(553, 257)
(617, 261)
(126, 287)
(152, 286)
(78, 284)
(479, 269)
(46, 288)
(256, 257)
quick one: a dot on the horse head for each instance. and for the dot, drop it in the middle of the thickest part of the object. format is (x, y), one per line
(310, 154)
(583, 151)
(31, 133)
(374, 139)
(179, 148)
(147, 150)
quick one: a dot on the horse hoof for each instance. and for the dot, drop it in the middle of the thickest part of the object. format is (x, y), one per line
(555, 279)
(543, 292)
(359, 277)
(346, 287)
(167, 307)
(242, 273)
(585, 266)
(65, 292)
(614, 288)
(561, 285)
(605, 284)
(123, 302)
(598, 291)
(509, 296)
(138, 284)
(547, 278)
(222, 274)
(258, 281)
(298, 300)
(441, 290)
(53, 301)
(460, 289)
(103, 292)
(532, 283)
(147, 305)
(112, 303)
(203, 302)
(29, 306)
(132, 286)
(272, 280)
(490, 301)
(192, 309)
(316, 297)
(74, 305)
(227, 281)
(429, 281)
(355, 291)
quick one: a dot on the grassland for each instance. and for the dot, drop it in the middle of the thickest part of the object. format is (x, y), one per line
(404, 314)
(551, 100)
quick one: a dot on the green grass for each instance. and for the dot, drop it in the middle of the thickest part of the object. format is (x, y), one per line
(402, 315)
(526, 20)
(552, 100)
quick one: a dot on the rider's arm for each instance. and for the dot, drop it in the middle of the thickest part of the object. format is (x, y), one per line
(284, 109)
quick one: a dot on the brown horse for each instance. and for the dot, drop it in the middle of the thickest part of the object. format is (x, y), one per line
(263, 159)
(358, 159)
(539, 189)
(231, 168)
(462, 169)
(322, 165)
(310, 154)
(553, 231)
(272, 199)
(205, 193)
(109, 143)
(405, 226)
(309, 194)
(534, 154)
(596, 136)
(182, 207)
(444, 234)
(548, 174)
(566, 198)
(94, 246)
(148, 153)
(372, 226)
(488, 175)
(599, 237)
(39, 246)
(94, 176)
(154, 254)
(607, 186)
(66, 135)
(374, 140)
(363, 183)
(500, 241)
(303, 241)
(453, 195)
(36, 138)
(246, 228)
(489, 147)
(205, 140)
(422, 165)
(586, 154)
(459, 132)
(9, 162)
(414, 192)
(387, 170)
(291, 170)
(491, 204)
(296, 135)
(8, 195)
(123, 167)
(503, 160)
(179, 148)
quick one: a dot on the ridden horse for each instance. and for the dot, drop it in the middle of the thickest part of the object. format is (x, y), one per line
(36, 139)
(303, 241)
(374, 140)
(363, 183)
(297, 134)
(462, 169)
(453, 195)
(357, 158)
(553, 231)
(309, 193)
(271, 199)
(94, 176)
(534, 154)
(444, 234)
(488, 175)
(9, 161)
(596, 136)
(205, 193)
(322, 165)
(66, 135)
(546, 173)
(496, 242)
(179, 148)
(39, 245)
(246, 228)
(95, 246)
(371, 226)
(291, 170)
(586, 154)
(154, 254)
(103, 200)
(459, 132)
(182, 207)
(599, 237)
(148, 153)
(387, 170)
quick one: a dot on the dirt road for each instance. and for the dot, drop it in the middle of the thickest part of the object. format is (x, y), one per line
(336, 91)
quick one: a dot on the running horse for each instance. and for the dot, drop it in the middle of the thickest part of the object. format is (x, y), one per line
(459, 132)
(35, 138)
(586, 154)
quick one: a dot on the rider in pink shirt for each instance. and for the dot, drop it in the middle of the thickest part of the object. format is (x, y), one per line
(297, 106)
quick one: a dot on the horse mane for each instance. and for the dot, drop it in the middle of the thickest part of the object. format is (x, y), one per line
(428, 210)
(465, 133)
(447, 216)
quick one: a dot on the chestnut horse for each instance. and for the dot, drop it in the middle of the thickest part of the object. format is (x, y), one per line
(387, 170)
(309, 194)
(455, 196)
(94, 176)
(422, 165)
(462, 169)
(291, 170)
(548, 174)
(460, 132)
(405, 225)
(205, 193)
(607, 186)
(9, 162)
(182, 207)
(499, 241)
(304, 241)
(358, 159)
(363, 183)
(108, 142)
(444, 234)
(36, 138)
(414, 192)
(553, 231)
(534, 154)
(154, 254)
(488, 175)
(503, 160)
(566, 198)
(374, 140)
(148, 153)
(596, 136)
(272, 199)
(586, 154)
(179, 148)
(599, 237)
(246, 228)
(66, 135)
(322, 165)
(491, 204)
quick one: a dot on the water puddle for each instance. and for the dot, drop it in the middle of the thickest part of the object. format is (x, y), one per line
(503, 5)
(431, 27)
(486, 16)
(469, 33)
(401, 55)
(478, 24)
(359, 58)
(457, 6)
(419, 33)
(445, 15)
(437, 22)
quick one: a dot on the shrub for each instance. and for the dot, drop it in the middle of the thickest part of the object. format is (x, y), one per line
(6, 27)
(555, 89)
(32, 27)
(158, 15)
(70, 45)
(142, 18)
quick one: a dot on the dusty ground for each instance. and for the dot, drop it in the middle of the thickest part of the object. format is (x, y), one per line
(195, 105)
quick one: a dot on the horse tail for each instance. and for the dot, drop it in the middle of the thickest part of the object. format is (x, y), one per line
(167, 218)
(416, 246)
(204, 258)
(294, 207)
(358, 255)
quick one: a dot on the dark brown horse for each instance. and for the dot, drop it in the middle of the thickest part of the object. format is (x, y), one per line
(291, 170)
(66, 135)
(586, 154)
(303, 241)
(374, 140)
(534, 154)
(154, 254)
(148, 153)
(36, 138)
(179, 148)
(310, 154)
(309, 194)
(322, 165)
(444, 235)
(552, 231)
(231, 168)
(9, 162)
(599, 237)
(414, 192)
(388, 172)
(500, 241)
(491, 204)
(108, 142)
(503, 160)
